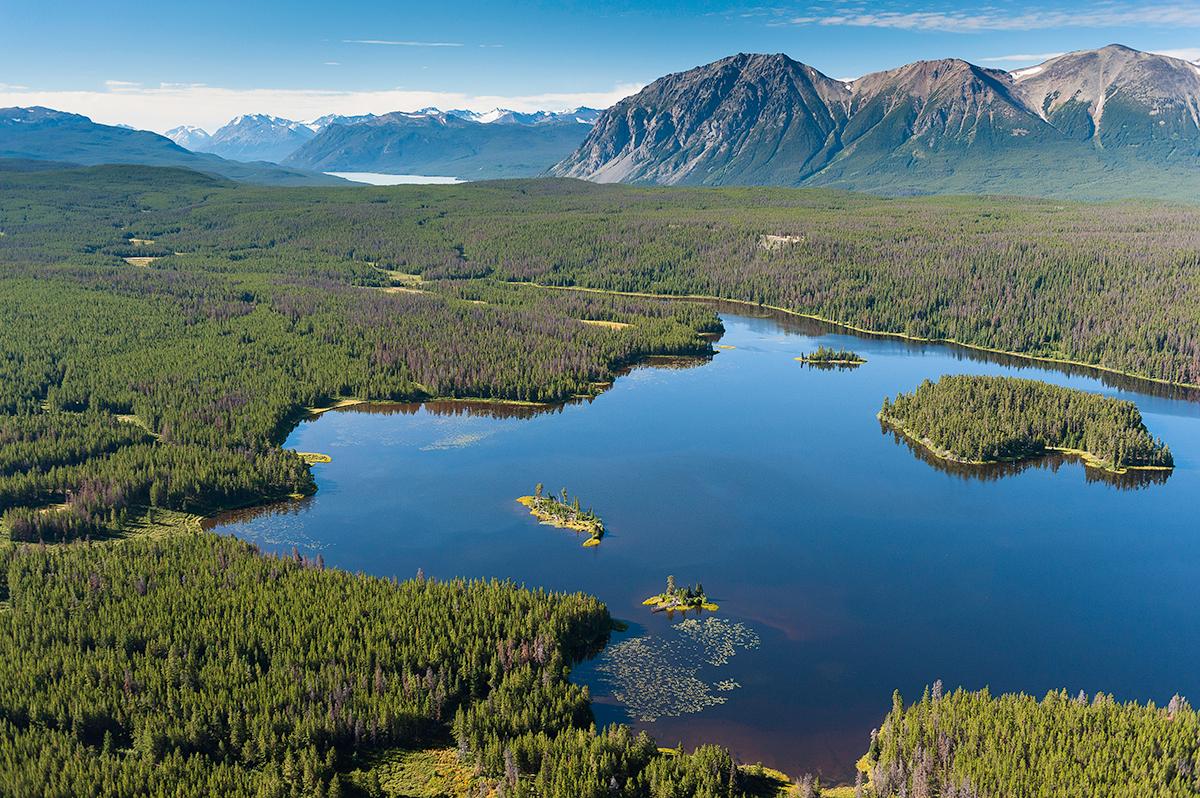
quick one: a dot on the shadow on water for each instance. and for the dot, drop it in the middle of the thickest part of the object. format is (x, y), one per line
(814, 328)
(510, 410)
(1051, 461)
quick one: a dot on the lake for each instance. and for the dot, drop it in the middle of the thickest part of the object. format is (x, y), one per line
(845, 565)
(382, 179)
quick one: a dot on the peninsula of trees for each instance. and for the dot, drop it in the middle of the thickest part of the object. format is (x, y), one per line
(825, 356)
(680, 598)
(986, 419)
(565, 513)
(973, 744)
(194, 666)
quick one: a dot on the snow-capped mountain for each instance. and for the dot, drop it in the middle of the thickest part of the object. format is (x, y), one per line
(456, 143)
(190, 137)
(262, 137)
(259, 137)
(321, 122)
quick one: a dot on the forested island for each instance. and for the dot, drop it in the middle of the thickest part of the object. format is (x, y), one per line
(680, 598)
(564, 513)
(825, 356)
(989, 419)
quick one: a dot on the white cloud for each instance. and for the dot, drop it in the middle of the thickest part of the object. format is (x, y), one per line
(1186, 53)
(991, 18)
(1023, 58)
(162, 108)
(391, 43)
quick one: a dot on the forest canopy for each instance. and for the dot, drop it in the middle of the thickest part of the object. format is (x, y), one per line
(983, 419)
(975, 745)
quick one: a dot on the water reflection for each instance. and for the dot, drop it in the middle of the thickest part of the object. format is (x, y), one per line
(860, 570)
(1050, 461)
(815, 328)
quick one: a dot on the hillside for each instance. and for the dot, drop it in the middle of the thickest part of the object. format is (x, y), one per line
(47, 135)
(440, 144)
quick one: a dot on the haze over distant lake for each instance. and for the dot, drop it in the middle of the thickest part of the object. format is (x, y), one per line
(845, 564)
(382, 179)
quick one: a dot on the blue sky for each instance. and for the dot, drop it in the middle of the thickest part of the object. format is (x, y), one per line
(159, 64)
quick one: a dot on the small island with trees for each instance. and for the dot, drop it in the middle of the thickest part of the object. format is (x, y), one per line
(825, 356)
(984, 419)
(680, 598)
(565, 513)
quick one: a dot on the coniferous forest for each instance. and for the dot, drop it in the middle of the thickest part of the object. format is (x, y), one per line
(991, 419)
(164, 330)
(970, 744)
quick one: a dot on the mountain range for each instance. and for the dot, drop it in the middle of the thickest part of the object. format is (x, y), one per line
(43, 134)
(476, 147)
(1095, 124)
(473, 152)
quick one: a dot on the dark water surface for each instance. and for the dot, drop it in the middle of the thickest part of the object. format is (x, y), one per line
(845, 565)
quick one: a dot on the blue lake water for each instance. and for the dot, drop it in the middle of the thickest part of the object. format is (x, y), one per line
(846, 565)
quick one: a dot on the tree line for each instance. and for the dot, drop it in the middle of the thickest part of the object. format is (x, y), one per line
(976, 745)
(194, 665)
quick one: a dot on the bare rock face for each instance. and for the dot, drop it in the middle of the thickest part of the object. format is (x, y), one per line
(1077, 120)
(1119, 97)
(746, 118)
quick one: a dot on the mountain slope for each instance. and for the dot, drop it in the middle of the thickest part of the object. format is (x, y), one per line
(440, 144)
(1117, 97)
(1105, 123)
(743, 119)
(48, 135)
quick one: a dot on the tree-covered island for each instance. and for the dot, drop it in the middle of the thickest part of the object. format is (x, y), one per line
(981, 419)
(562, 511)
(681, 598)
(827, 356)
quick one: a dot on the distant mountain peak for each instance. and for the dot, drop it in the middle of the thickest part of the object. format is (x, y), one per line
(190, 137)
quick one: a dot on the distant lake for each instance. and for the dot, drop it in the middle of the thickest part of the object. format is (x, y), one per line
(845, 565)
(381, 179)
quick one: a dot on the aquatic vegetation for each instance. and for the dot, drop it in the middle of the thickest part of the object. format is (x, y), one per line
(719, 639)
(460, 441)
(660, 676)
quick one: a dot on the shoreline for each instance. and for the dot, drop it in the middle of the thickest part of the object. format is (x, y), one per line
(594, 529)
(665, 603)
(1089, 459)
(879, 333)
